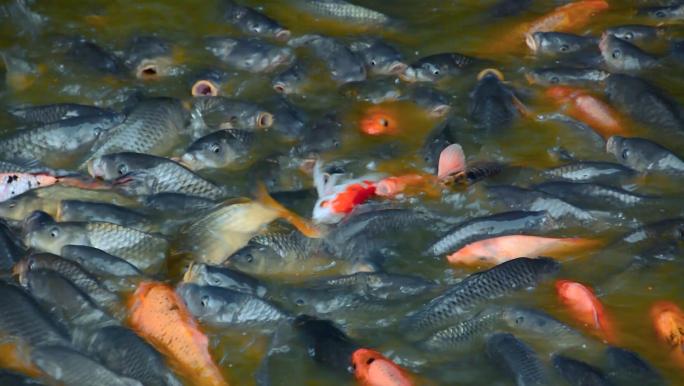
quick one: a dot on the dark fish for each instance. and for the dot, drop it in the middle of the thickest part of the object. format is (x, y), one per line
(289, 122)
(87, 211)
(517, 359)
(578, 373)
(377, 90)
(23, 318)
(72, 305)
(149, 57)
(325, 342)
(56, 144)
(209, 275)
(643, 155)
(623, 56)
(208, 82)
(379, 57)
(209, 114)
(100, 262)
(222, 148)
(143, 174)
(516, 198)
(556, 43)
(251, 21)
(464, 334)
(11, 248)
(666, 13)
(294, 80)
(649, 241)
(344, 65)
(221, 307)
(591, 171)
(677, 50)
(492, 103)
(636, 33)
(342, 10)
(436, 103)
(43, 114)
(570, 76)
(124, 352)
(644, 102)
(334, 302)
(530, 320)
(69, 367)
(594, 196)
(90, 55)
(377, 285)
(9, 378)
(436, 67)
(502, 224)
(628, 368)
(474, 290)
(250, 54)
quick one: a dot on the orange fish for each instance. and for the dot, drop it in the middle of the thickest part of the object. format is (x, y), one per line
(497, 250)
(379, 121)
(668, 322)
(408, 183)
(373, 369)
(159, 316)
(586, 308)
(584, 107)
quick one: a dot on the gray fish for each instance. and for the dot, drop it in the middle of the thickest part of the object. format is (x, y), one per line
(344, 65)
(436, 67)
(216, 113)
(516, 198)
(220, 149)
(87, 211)
(643, 155)
(145, 251)
(178, 204)
(436, 103)
(623, 56)
(250, 54)
(637, 33)
(209, 82)
(154, 127)
(559, 43)
(149, 57)
(591, 171)
(342, 10)
(144, 174)
(628, 368)
(571, 76)
(91, 56)
(517, 359)
(502, 224)
(100, 262)
(57, 144)
(377, 285)
(72, 368)
(22, 318)
(11, 247)
(664, 13)
(376, 90)
(294, 80)
(251, 21)
(594, 196)
(379, 57)
(43, 114)
(15, 379)
(478, 288)
(222, 307)
(210, 275)
(578, 373)
(530, 320)
(124, 352)
(492, 103)
(464, 334)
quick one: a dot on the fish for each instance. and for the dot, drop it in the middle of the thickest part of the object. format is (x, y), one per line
(378, 121)
(595, 196)
(295, 80)
(223, 148)
(89, 211)
(209, 114)
(99, 262)
(379, 57)
(586, 308)
(492, 103)
(663, 13)
(462, 335)
(11, 247)
(344, 65)
(343, 11)
(226, 308)
(376, 285)
(583, 106)
(250, 54)
(643, 155)
(636, 33)
(576, 372)
(497, 250)
(518, 359)
(209, 82)
(644, 102)
(158, 315)
(123, 351)
(224, 277)
(558, 43)
(591, 171)
(145, 251)
(44, 114)
(144, 174)
(325, 343)
(14, 184)
(253, 22)
(374, 369)
(625, 367)
(152, 127)
(480, 228)
(516, 198)
(533, 321)
(440, 66)
(567, 76)
(668, 322)
(69, 367)
(623, 56)
(149, 57)
(178, 204)
(91, 56)
(60, 143)
(480, 287)
(16, 379)
(434, 102)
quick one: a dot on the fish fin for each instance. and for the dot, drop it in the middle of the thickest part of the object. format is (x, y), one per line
(522, 109)
(451, 161)
(303, 225)
(79, 182)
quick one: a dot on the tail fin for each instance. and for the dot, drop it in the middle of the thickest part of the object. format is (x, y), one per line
(303, 225)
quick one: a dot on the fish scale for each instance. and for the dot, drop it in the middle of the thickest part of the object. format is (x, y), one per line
(141, 249)
(518, 359)
(463, 333)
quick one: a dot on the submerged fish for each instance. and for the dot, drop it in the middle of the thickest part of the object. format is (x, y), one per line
(373, 369)
(586, 308)
(643, 155)
(342, 10)
(578, 373)
(518, 359)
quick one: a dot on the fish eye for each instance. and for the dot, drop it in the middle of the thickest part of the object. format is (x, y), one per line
(555, 80)
(122, 169)
(564, 48)
(54, 232)
(435, 72)
(384, 122)
(628, 36)
(299, 302)
(12, 204)
(660, 14)
(519, 320)
(215, 280)
(215, 148)
(625, 153)
(370, 360)
(204, 301)
(617, 54)
(373, 62)
(233, 119)
(249, 258)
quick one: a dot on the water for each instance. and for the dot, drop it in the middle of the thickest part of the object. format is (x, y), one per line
(429, 26)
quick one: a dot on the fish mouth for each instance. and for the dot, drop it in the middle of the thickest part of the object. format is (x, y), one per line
(35, 220)
(264, 120)
(95, 169)
(151, 69)
(283, 35)
(204, 88)
(491, 71)
(603, 43)
(409, 75)
(281, 88)
(612, 144)
(440, 111)
(532, 41)
(397, 68)
(189, 160)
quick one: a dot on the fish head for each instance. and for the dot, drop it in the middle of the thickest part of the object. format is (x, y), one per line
(422, 72)
(378, 122)
(668, 322)
(137, 183)
(199, 300)
(43, 233)
(18, 207)
(209, 152)
(204, 87)
(255, 258)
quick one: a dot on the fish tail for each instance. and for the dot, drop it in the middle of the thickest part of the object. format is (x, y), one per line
(303, 225)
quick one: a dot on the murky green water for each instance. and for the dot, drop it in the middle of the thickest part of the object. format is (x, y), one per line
(428, 26)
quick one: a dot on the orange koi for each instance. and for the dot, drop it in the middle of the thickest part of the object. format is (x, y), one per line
(586, 308)
(374, 369)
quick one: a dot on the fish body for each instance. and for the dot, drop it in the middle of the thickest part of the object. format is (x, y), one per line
(253, 22)
(590, 171)
(374, 369)
(530, 320)
(436, 67)
(579, 373)
(623, 56)
(342, 10)
(586, 308)
(223, 148)
(464, 333)
(559, 43)
(628, 367)
(589, 109)
(637, 33)
(568, 76)
(591, 195)
(89, 211)
(644, 155)
(492, 103)
(518, 359)
(224, 277)
(379, 57)
(516, 198)
(250, 54)
(344, 65)
(209, 114)
(325, 342)
(99, 262)
(44, 114)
